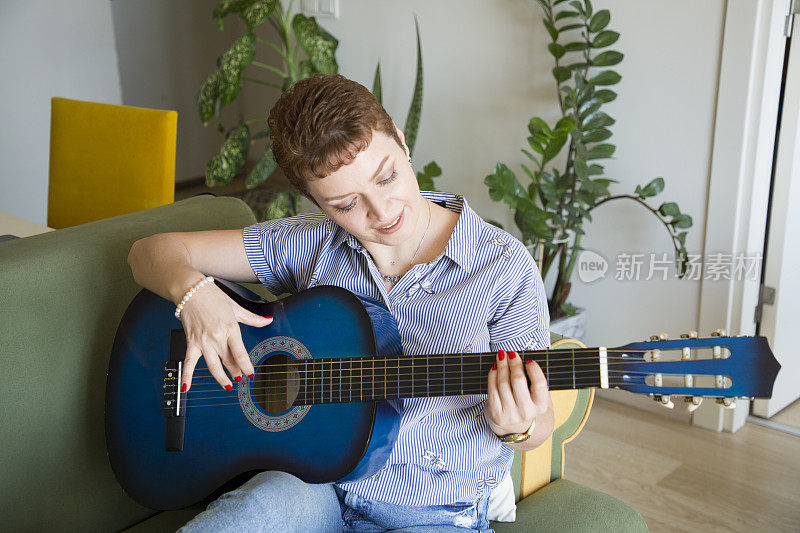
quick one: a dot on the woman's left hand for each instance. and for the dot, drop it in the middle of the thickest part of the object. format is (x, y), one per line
(511, 406)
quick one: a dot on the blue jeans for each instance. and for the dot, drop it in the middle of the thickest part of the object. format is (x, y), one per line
(277, 501)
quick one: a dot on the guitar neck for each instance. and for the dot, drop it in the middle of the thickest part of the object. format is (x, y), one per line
(353, 379)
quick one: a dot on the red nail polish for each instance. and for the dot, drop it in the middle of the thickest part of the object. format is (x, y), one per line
(265, 316)
(238, 378)
(494, 366)
(501, 355)
(529, 361)
(183, 389)
(228, 387)
(251, 375)
(512, 355)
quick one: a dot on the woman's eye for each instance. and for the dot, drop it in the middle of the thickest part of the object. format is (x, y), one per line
(390, 178)
(348, 208)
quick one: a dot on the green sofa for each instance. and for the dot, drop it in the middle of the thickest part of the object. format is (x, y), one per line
(63, 294)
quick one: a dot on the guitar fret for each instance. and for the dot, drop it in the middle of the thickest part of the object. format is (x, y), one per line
(573, 368)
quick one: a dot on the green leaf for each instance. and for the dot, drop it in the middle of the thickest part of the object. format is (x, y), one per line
(681, 221)
(554, 146)
(669, 209)
(576, 47)
(207, 98)
(571, 27)
(682, 237)
(606, 95)
(600, 20)
(258, 13)
(231, 64)
(601, 151)
(415, 108)
(651, 189)
(561, 74)
(556, 50)
(589, 9)
(284, 205)
(226, 7)
(551, 29)
(433, 170)
(494, 223)
(319, 45)
(503, 186)
(605, 38)
(537, 125)
(597, 120)
(580, 168)
(600, 134)
(607, 77)
(306, 69)
(265, 166)
(607, 59)
(376, 83)
(565, 14)
(224, 166)
(595, 170)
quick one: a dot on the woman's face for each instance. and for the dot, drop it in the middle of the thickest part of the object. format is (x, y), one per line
(372, 192)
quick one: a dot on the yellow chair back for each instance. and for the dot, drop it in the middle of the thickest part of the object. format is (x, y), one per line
(108, 160)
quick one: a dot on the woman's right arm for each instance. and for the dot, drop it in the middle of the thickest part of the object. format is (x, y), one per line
(169, 264)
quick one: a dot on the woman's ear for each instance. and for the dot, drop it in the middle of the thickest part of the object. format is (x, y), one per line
(402, 140)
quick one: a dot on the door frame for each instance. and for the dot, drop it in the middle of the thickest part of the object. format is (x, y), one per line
(751, 69)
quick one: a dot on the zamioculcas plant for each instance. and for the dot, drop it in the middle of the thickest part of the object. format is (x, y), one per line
(552, 208)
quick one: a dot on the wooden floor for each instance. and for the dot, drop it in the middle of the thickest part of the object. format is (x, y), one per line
(684, 478)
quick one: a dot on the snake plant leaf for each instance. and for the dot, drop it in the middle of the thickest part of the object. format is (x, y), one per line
(263, 169)
(606, 59)
(607, 77)
(605, 38)
(415, 108)
(600, 20)
(207, 98)
(257, 13)
(231, 64)
(224, 166)
(669, 209)
(376, 84)
(284, 205)
(319, 45)
(226, 7)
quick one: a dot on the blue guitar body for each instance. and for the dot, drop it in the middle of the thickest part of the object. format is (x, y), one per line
(318, 443)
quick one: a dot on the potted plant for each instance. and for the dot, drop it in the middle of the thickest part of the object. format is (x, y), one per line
(551, 210)
(223, 86)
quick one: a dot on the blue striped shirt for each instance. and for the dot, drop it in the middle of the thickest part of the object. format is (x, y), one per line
(482, 294)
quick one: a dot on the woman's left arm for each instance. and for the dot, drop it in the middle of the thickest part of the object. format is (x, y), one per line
(511, 406)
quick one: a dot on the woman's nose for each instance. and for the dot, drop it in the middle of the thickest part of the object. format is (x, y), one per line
(379, 209)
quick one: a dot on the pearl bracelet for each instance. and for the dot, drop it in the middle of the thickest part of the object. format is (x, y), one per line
(190, 293)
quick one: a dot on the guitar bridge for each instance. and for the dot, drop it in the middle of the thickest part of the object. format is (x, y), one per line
(174, 401)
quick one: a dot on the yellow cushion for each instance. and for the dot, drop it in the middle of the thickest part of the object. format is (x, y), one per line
(108, 160)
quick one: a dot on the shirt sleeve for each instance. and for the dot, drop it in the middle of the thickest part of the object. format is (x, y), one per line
(267, 247)
(521, 318)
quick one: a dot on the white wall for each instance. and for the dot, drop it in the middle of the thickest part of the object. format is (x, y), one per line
(166, 51)
(47, 48)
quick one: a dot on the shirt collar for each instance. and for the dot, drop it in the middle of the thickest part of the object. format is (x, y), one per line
(461, 246)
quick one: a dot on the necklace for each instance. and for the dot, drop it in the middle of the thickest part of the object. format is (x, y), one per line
(396, 278)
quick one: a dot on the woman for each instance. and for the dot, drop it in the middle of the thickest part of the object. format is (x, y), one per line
(453, 283)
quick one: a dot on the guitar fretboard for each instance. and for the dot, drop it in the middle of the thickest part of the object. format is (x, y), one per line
(353, 379)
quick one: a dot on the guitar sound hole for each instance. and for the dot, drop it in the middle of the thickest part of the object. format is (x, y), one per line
(276, 384)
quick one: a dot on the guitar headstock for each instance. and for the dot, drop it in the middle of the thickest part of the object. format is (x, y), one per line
(718, 366)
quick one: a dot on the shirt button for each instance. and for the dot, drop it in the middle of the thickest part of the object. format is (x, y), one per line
(417, 275)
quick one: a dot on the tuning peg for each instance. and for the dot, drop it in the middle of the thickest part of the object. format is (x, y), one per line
(728, 403)
(664, 400)
(694, 402)
(659, 337)
(719, 332)
(691, 335)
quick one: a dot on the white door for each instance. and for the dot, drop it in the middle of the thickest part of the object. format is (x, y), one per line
(781, 321)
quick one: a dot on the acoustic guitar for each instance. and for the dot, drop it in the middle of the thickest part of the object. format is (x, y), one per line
(317, 406)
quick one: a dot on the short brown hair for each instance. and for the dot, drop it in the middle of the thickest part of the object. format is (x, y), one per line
(320, 124)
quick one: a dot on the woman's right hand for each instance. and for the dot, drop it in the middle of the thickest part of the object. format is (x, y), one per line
(211, 323)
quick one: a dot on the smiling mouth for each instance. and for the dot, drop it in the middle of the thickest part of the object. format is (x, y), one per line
(393, 224)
